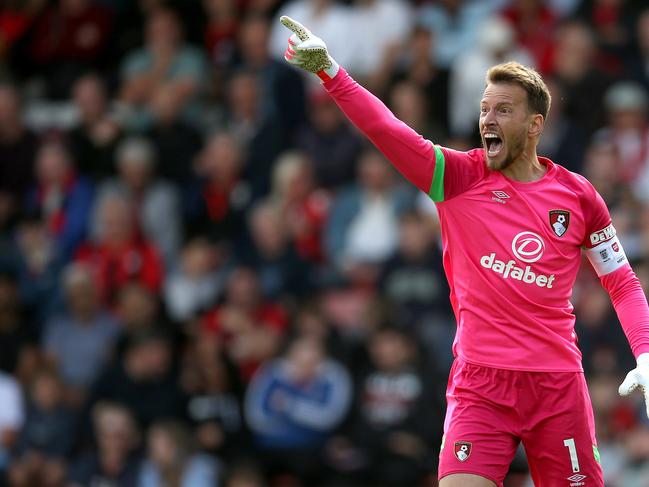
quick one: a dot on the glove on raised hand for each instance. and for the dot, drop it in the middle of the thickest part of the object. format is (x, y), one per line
(308, 51)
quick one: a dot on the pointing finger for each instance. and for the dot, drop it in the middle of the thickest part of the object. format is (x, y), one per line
(294, 26)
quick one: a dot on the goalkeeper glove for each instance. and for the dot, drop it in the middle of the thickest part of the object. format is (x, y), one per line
(638, 377)
(308, 51)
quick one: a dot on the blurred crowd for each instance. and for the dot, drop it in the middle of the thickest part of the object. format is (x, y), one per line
(207, 276)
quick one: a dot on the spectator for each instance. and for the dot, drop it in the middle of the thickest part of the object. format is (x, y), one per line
(282, 272)
(16, 18)
(221, 31)
(143, 380)
(115, 461)
(637, 63)
(94, 139)
(14, 336)
(496, 44)
(302, 206)
(12, 417)
(380, 28)
(362, 227)
(534, 23)
(35, 260)
(118, 256)
(47, 436)
(413, 281)
(172, 461)
(391, 433)
(563, 142)
(164, 64)
(418, 64)
(62, 197)
(214, 404)
(68, 37)
(581, 81)
(256, 127)
(410, 105)
(455, 25)
(17, 154)
(176, 141)
(157, 203)
(293, 404)
(138, 312)
(612, 22)
(628, 130)
(248, 326)
(282, 88)
(219, 197)
(331, 143)
(195, 284)
(80, 341)
(601, 167)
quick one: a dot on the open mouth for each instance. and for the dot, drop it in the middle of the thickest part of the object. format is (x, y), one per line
(493, 143)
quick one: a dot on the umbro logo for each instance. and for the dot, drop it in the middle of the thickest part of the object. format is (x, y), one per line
(500, 196)
(577, 477)
(576, 480)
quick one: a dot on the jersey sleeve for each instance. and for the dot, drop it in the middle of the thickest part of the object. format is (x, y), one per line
(605, 253)
(601, 244)
(437, 171)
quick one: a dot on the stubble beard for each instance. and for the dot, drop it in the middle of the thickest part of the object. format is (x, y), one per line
(511, 154)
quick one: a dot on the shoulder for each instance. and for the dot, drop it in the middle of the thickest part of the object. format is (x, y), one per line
(577, 184)
(472, 157)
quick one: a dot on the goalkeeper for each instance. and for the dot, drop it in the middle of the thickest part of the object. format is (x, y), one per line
(514, 226)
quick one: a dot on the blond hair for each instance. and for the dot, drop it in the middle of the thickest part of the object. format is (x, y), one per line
(538, 95)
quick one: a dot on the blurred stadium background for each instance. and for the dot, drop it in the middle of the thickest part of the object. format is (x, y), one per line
(208, 278)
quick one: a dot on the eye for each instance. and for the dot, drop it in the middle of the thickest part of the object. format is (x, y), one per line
(483, 110)
(505, 110)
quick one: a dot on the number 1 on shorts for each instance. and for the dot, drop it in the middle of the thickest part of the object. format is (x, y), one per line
(570, 443)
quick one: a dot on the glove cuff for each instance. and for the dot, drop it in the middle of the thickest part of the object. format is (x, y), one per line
(643, 360)
(330, 72)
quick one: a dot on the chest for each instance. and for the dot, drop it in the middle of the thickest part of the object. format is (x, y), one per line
(509, 230)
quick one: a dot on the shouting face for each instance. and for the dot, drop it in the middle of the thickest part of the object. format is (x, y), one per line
(506, 124)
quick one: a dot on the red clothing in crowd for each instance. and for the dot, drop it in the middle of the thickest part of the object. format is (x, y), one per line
(67, 37)
(116, 267)
(535, 34)
(13, 24)
(308, 217)
(269, 315)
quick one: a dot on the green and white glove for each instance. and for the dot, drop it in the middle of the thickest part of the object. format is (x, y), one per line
(307, 51)
(638, 377)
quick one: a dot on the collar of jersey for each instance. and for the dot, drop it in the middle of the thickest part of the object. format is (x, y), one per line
(547, 178)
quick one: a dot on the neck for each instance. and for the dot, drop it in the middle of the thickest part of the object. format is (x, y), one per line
(526, 168)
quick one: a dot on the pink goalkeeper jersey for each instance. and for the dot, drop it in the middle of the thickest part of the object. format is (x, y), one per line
(511, 250)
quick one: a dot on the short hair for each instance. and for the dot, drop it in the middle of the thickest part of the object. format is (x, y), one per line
(538, 94)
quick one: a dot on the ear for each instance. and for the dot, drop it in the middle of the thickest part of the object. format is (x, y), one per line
(536, 125)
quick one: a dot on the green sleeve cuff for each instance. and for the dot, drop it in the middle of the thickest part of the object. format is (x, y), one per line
(436, 192)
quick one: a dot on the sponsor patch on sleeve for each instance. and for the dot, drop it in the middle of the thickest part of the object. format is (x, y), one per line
(602, 235)
(607, 256)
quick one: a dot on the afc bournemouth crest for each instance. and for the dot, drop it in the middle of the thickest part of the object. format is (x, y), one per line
(559, 221)
(462, 450)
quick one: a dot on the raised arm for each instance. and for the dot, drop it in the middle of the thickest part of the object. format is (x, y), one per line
(414, 156)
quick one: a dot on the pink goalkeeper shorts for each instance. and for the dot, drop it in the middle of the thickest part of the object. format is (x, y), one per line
(491, 410)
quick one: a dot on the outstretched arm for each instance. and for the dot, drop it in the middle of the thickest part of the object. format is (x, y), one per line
(414, 156)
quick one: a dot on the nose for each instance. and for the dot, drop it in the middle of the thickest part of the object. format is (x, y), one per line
(488, 118)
